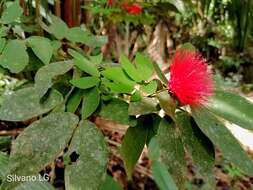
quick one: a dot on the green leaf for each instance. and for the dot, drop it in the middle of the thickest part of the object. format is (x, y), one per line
(130, 69)
(223, 139)
(3, 31)
(145, 106)
(97, 59)
(79, 35)
(11, 13)
(117, 87)
(160, 74)
(5, 143)
(84, 64)
(56, 45)
(2, 44)
(188, 46)
(110, 184)
(167, 103)
(98, 41)
(14, 63)
(152, 121)
(74, 101)
(199, 147)
(172, 151)
(132, 146)
(85, 82)
(162, 177)
(32, 185)
(45, 75)
(90, 102)
(136, 96)
(117, 74)
(116, 110)
(41, 47)
(180, 5)
(233, 108)
(4, 159)
(86, 173)
(25, 104)
(144, 66)
(58, 28)
(39, 144)
(149, 88)
(153, 149)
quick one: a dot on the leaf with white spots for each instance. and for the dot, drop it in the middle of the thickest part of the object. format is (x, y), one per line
(90, 166)
(45, 75)
(39, 144)
(25, 104)
(41, 47)
(14, 56)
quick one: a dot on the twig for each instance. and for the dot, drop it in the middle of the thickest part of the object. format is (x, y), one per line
(144, 171)
(13, 132)
(112, 142)
(57, 8)
(110, 125)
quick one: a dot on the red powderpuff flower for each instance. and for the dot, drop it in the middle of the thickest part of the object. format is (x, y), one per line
(133, 9)
(190, 80)
(110, 2)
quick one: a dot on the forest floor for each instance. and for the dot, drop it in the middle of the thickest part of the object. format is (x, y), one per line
(142, 176)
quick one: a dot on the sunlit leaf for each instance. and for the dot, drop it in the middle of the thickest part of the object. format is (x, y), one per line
(85, 82)
(117, 74)
(144, 66)
(117, 87)
(233, 108)
(130, 69)
(149, 88)
(223, 139)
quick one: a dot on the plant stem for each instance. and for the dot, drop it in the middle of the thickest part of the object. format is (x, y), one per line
(38, 16)
(127, 39)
